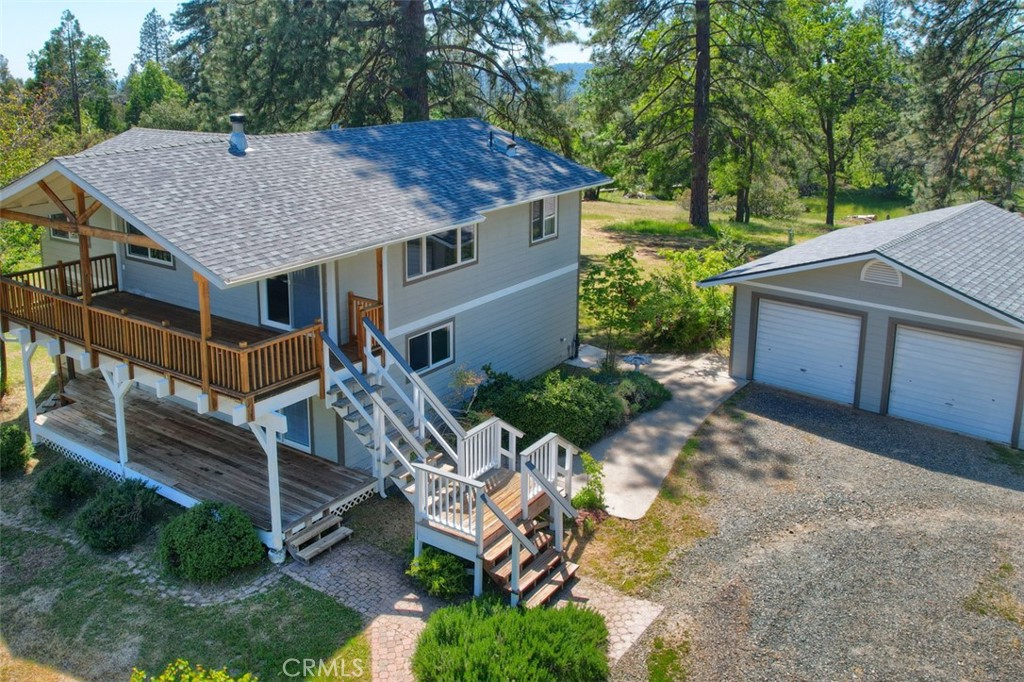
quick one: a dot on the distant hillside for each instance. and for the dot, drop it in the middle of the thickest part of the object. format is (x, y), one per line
(578, 71)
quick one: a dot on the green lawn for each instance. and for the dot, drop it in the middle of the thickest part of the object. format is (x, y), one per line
(67, 611)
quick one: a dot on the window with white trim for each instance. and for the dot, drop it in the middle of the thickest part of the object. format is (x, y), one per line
(430, 349)
(543, 219)
(440, 251)
(144, 252)
(62, 235)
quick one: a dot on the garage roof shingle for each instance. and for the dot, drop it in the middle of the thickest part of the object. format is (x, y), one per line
(975, 250)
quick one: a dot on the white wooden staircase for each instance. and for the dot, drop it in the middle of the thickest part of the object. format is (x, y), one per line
(474, 494)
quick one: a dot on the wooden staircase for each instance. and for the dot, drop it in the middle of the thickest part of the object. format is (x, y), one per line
(473, 493)
(541, 576)
(318, 538)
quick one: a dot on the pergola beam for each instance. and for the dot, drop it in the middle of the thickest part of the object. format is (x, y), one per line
(85, 230)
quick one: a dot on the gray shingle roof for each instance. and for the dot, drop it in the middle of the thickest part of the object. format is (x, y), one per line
(299, 198)
(976, 250)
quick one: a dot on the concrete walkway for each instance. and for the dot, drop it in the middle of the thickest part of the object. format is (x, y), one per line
(638, 457)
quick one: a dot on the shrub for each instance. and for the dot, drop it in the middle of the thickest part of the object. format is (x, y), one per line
(640, 393)
(484, 640)
(591, 495)
(63, 487)
(182, 671)
(441, 574)
(573, 406)
(15, 449)
(772, 196)
(208, 542)
(117, 516)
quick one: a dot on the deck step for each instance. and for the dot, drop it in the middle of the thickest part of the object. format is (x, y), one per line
(500, 548)
(544, 590)
(503, 571)
(317, 539)
(540, 566)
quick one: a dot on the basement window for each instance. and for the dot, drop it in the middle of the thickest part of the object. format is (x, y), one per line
(430, 349)
(877, 272)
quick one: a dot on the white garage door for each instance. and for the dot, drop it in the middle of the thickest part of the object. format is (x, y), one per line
(954, 382)
(807, 350)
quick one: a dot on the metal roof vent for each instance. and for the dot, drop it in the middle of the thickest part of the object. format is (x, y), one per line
(507, 148)
(238, 145)
(877, 272)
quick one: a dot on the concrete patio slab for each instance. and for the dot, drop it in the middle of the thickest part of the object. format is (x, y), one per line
(638, 457)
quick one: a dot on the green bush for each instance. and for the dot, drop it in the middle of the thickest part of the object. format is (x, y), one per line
(575, 407)
(182, 671)
(63, 487)
(441, 574)
(208, 542)
(117, 517)
(639, 393)
(591, 495)
(15, 449)
(484, 640)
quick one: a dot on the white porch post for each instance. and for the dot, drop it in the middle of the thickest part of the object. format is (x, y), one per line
(23, 337)
(266, 429)
(119, 383)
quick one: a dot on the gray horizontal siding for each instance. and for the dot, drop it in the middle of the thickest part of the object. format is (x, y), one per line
(523, 334)
(504, 258)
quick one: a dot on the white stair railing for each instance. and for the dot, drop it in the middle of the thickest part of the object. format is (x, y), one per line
(447, 499)
(541, 466)
(422, 397)
(491, 444)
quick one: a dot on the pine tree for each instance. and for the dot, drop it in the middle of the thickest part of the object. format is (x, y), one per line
(154, 41)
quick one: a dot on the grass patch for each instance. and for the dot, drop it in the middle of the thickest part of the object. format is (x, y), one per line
(632, 556)
(679, 229)
(1011, 457)
(86, 616)
(383, 523)
(993, 596)
(666, 661)
(12, 405)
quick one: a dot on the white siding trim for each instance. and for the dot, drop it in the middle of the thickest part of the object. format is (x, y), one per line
(448, 313)
(880, 306)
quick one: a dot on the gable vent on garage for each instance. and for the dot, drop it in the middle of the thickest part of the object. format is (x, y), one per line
(877, 272)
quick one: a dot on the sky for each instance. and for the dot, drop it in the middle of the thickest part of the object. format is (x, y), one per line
(26, 24)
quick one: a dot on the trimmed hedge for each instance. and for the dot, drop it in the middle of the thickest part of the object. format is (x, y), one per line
(209, 542)
(15, 449)
(117, 517)
(442, 574)
(484, 640)
(63, 487)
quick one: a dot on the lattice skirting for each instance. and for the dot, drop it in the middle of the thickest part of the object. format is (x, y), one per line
(82, 459)
(337, 508)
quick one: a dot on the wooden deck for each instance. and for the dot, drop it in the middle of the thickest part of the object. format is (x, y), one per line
(202, 457)
(158, 312)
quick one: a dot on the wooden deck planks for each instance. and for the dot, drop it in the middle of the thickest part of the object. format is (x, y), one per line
(201, 456)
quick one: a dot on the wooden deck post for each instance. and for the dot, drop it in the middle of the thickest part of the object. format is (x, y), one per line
(118, 378)
(85, 266)
(23, 337)
(205, 330)
(266, 430)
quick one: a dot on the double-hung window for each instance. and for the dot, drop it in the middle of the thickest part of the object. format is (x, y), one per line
(543, 219)
(440, 251)
(146, 253)
(431, 348)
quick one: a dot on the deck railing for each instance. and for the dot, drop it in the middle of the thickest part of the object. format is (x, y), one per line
(66, 278)
(360, 307)
(242, 371)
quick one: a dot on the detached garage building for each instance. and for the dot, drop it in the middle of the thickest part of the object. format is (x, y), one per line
(919, 317)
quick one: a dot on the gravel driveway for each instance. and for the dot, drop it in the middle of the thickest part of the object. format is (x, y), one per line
(848, 546)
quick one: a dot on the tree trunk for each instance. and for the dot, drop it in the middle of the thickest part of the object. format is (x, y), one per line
(701, 105)
(743, 195)
(412, 59)
(592, 194)
(742, 205)
(831, 168)
(1011, 153)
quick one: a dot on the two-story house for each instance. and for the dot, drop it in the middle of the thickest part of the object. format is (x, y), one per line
(318, 290)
